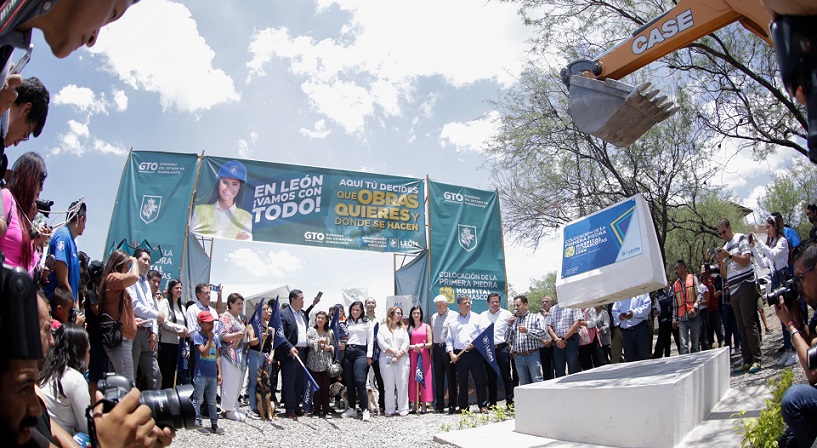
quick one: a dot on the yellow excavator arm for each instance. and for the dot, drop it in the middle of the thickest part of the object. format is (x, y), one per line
(619, 113)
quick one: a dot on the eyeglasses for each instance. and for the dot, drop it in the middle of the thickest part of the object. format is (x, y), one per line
(28, 134)
(798, 279)
(722, 232)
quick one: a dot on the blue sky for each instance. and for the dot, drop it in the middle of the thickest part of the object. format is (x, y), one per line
(392, 87)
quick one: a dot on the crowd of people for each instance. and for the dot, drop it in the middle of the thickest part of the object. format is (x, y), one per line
(42, 377)
(390, 364)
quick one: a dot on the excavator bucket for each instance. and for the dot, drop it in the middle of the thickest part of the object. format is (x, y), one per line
(615, 112)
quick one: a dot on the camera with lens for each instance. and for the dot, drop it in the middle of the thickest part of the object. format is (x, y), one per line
(788, 290)
(170, 407)
(811, 358)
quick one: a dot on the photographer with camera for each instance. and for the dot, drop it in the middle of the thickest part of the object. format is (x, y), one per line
(799, 404)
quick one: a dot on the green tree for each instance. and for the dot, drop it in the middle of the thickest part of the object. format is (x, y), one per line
(731, 73)
(548, 173)
(539, 288)
(789, 193)
(695, 229)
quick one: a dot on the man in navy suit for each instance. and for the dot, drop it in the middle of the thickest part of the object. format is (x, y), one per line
(294, 323)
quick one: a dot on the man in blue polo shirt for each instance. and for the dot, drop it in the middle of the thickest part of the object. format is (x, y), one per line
(64, 249)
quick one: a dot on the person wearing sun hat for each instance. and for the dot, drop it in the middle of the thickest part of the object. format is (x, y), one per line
(221, 216)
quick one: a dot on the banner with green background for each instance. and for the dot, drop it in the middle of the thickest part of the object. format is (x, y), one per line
(467, 254)
(152, 205)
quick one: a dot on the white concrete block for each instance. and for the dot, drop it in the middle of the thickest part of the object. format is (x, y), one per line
(610, 255)
(652, 403)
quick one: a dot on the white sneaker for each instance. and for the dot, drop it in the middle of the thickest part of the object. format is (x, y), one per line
(792, 359)
(232, 415)
(782, 361)
(403, 413)
(349, 413)
(366, 415)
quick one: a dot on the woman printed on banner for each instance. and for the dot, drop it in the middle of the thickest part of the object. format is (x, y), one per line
(221, 216)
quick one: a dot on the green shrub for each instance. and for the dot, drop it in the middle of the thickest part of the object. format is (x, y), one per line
(470, 419)
(763, 431)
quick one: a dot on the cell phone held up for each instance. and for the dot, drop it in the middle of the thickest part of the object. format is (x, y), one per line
(21, 63)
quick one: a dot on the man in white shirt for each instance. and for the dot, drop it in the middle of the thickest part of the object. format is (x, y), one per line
(148, 318)
(201, 304)
(631, 315)
(546, 347)
(442, 364)
(499, 317)
(735, 259)
(463, 329)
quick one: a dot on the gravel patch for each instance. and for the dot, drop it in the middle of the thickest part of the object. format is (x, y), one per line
(413, 430)
(379, 431)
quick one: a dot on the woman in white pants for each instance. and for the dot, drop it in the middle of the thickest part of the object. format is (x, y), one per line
(233, 352)
(394, 362)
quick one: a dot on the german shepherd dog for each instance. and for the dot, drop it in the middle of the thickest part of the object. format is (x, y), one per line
(263, 393)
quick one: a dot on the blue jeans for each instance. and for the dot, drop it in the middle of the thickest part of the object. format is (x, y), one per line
(205, 387)
(569, 354)
(690, 333)
(255, 360)
(799, 410)
(529, 368)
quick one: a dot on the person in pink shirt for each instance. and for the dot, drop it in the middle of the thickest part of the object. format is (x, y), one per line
(419, 345)
(19, 210)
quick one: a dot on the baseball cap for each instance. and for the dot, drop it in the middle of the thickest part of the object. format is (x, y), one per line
(205, 316)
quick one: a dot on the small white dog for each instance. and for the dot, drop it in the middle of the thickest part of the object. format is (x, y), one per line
(338, 390)
(373, 393)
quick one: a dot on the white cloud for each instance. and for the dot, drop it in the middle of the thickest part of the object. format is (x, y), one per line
(262, 264)
(371, 68)
(120, 99)
(176, 63)
(78, 139)
(318, 132)
(82, 99)
(470, 136)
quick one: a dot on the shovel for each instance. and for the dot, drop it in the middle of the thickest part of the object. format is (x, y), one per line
(616, 112)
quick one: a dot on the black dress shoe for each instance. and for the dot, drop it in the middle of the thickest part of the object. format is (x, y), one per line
(452, 411)
(291, 415)
(299, 412)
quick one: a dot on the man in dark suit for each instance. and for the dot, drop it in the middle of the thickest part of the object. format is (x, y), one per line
(294, 323)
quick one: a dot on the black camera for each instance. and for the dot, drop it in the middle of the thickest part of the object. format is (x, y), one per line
(170, 407)
(19, 314)
(788, 290)
(811, 358)
(44, 206)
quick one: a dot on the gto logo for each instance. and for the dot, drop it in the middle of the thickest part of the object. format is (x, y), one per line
(448, 196)
(658, 34)
(148, 166)
(313, 236)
